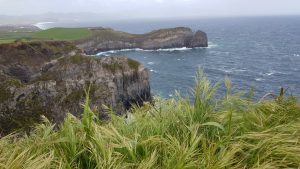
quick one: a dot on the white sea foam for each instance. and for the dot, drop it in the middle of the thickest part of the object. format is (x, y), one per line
(174, 49)
(110, 52)
(270, 73)
(43, 25)
(106, 53)
(144, 50)
(224, 70)
(227, 71)
(150, 63)
(154, 71)
(239, 70)
(259, 79)
(212, 45)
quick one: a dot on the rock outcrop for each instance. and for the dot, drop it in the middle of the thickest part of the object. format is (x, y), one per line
(199, 39)
(108, 39)
(49, 78)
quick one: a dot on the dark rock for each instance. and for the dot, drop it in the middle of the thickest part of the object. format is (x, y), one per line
(49, 78)
(108, 39)
(198, 40)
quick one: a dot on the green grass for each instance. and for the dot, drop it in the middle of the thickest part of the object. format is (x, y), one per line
(66, 34)
(63, 34)
(2, 41)
(8, 37)
(212, 133)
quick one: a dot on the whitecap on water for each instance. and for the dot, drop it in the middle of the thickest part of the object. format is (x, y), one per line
(151, 70)
(259, 79)
(224, 70)
(150, 63)
(239, 70)
(269, 73)
(297, 55)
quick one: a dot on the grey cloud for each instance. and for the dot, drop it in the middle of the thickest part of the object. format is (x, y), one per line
(153, 8)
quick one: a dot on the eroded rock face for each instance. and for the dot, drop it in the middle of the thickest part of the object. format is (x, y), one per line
(199, 39)
(108, 39)
(49, 78)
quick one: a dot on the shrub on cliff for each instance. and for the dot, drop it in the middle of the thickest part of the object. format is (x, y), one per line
(231, 132)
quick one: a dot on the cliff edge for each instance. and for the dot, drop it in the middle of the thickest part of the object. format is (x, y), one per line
(49, 78)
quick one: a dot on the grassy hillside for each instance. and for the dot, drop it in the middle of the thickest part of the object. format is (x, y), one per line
(6, 41)
(63, 34)
(230, 132)
(66, 34)
(71, 34)
(8, 37)
(11, 33)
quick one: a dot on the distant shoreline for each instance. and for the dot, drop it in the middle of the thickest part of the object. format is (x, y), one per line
(42, 25)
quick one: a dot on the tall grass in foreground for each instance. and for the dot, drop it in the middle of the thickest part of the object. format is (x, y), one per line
(232, 132)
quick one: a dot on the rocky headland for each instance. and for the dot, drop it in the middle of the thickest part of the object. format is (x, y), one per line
(49, 78)
(105, 39)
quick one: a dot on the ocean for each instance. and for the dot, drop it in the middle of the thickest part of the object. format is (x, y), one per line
(262, 53)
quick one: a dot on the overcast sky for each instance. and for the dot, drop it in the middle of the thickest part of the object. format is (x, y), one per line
(153, 8)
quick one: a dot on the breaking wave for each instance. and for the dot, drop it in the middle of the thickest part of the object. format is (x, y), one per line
(43, 25)
(110, 52)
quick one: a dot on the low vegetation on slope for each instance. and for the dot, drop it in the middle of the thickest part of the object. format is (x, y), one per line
(65, 34)
(231, 132)
(8, 37)
(62, 34)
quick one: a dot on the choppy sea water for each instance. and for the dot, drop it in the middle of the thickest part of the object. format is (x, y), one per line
(259, 52)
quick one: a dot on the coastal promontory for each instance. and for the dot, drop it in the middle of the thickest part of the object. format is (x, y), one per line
(105, 39)
(93, 40)
(50, 77)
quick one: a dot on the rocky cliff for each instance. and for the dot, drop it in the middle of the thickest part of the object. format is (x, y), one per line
(49, 78)
(108, 39)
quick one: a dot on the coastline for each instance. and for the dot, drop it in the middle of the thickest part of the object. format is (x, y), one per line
(43, 25)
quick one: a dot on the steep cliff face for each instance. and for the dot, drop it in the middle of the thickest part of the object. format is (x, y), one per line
(199, 39)
(49, 78)
(108, 39)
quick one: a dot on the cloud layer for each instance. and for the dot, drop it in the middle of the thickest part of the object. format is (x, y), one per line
(153, 8)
